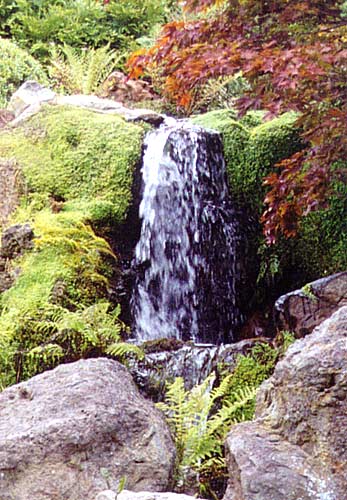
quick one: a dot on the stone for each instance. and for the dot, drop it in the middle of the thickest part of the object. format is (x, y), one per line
(30, 94)
(109, 106)
(302, 310)
(166, 359)
(71, 432)
(126, 90)
(15, 240)
(106, 495)
(146, 495)
(296, 448)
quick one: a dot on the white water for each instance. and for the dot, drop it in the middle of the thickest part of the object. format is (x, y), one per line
(186, 252)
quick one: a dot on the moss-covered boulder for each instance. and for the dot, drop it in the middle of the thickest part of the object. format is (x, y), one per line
(77, 170)
(252, 150)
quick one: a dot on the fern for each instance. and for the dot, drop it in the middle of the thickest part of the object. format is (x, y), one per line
(198, 426)
(81, 70)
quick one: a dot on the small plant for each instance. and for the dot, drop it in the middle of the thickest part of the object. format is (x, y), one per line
(200, 420)
(81, 71)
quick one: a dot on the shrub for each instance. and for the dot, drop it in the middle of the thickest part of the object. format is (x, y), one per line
(16, 66)
(80, 23)
(76, 71)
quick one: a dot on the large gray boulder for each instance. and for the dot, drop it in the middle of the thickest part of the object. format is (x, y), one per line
(302, 310)
(72, 432)
(297, 446)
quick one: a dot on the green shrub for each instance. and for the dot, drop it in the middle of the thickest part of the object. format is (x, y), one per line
(36, 24)
(81, 71)
(16, 66)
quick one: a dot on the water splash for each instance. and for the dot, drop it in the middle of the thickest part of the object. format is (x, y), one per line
(186, 253)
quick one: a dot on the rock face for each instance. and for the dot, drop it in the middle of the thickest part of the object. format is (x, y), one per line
(297, 446)
(302, 310)
(71, 432)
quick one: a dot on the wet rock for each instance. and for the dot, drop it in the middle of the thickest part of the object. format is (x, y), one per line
(302, 310)
(297, 446)
(169, 358)
(15, 240)
(71, 432)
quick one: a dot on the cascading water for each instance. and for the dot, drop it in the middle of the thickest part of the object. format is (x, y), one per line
(185, 257)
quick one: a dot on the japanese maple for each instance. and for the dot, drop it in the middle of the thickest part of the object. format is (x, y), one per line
(294, 54)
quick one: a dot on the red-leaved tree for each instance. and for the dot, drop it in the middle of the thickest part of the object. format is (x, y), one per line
(294, 55)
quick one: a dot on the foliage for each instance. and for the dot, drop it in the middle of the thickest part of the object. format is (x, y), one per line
(78, 168)
(83, 158)
(53, 313)
(16, 66)
(76, 71)
(251, 151)
(293, 54)
(199, 433)
(201, 418)
(36, 24)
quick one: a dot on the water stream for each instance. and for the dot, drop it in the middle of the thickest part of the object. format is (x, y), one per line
(186, 255)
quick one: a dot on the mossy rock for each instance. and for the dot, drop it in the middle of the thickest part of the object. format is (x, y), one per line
(84, 158)
(16, 66)
(252, 150)
(77, 168)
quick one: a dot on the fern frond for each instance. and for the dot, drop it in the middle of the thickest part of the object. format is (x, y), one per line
(123, 349)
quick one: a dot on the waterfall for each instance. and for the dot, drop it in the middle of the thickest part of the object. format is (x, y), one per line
(185, 258)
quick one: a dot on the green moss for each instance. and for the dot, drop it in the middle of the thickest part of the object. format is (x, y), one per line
(80, 164)
(79, 156)
(16, 66)
(251, 152)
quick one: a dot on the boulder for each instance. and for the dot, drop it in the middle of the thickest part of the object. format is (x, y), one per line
(296, 448)
(302, 310)
(109, 106)
(30, 96)
(15, 240)
(141, 495)
(74, 431)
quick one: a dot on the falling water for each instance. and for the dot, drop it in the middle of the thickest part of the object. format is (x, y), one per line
(185, 257)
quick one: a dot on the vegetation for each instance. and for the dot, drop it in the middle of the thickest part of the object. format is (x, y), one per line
(201, 418)
(57, 310)
(79, 157)
(252, 150)
(16, 66)
(293, 56)
(76, 71)
(36, 24)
